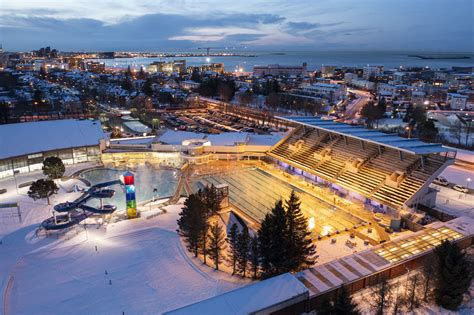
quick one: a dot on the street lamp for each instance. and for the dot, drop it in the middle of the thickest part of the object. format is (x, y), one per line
(468, 181)
(408, 128)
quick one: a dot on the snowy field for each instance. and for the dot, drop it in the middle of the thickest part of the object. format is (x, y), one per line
(129, 267)
(136, 267)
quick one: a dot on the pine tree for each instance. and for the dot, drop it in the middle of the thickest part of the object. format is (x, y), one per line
(42, 188)
(190, 223)
(381, 296)
(216, 244)
(232, 241)
(204, 233)
(243, 249)
(344, 304)
(254, 256)
(454, 275)
(273, 242)
(300, 247)
(212, 199)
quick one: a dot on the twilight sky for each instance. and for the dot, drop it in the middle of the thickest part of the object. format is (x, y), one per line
(154, 25)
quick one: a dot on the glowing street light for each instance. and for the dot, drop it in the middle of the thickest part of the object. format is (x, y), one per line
(468, 180)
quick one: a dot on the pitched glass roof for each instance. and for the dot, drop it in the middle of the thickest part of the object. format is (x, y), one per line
(413, 146)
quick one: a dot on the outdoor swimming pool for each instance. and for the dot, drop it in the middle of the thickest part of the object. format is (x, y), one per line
(146, 180)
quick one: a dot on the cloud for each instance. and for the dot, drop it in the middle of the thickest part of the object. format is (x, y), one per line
(185, 24)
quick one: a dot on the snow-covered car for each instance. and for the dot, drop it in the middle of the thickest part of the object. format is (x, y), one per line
(441, 181)
(461, 188)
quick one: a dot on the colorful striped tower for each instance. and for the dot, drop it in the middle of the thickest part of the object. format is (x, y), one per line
(129, 182)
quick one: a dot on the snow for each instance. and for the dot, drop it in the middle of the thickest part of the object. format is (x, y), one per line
(328, 251)
(269, 140)
(134, 266)
(249, 299)
(228, 138)
(137, 126)
(177, 137)
(33, 137)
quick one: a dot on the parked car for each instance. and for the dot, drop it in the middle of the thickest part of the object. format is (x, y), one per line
(441, 181)
(461, 188)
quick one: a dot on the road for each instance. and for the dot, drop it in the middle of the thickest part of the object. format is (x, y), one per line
(363, 97)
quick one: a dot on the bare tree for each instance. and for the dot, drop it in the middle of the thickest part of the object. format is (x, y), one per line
(412, 299)
(381, 295)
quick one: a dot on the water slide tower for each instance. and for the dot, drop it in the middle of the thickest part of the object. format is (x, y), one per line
(128, 179)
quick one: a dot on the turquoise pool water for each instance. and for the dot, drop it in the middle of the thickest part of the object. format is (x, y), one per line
(146, 180)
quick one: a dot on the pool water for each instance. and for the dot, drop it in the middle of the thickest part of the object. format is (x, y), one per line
(146, 180)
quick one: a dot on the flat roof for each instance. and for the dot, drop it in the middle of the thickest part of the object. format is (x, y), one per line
(393, 141)
(41, 136)
(328, 276)
(249, 299)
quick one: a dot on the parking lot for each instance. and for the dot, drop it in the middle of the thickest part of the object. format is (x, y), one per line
(212, 121)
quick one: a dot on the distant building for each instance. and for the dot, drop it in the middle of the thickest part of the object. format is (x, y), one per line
(276, 69)
(94, 66)
(418, 97)
(208, 67)
(363, 84)
(190, 85)
(331, 92)
(456, 101)
(370, 71)
(349, 77)
(328, 71)
(175, 66)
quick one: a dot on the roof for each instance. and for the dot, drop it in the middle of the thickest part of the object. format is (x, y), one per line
(34, 137)
(413, 146)
(328, 276)
(228, 138)
(176, 137)
(249, 299)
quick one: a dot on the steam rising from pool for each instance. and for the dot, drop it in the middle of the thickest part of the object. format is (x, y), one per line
(146, 180)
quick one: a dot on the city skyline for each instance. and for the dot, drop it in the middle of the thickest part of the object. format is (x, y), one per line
(438, 26)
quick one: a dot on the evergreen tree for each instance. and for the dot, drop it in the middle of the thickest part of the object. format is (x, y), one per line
(254, 256)
(232, 241)
(204, 232)
(381, 296)
(53, 167)
(147, 88)
(300, 247)
(272, 241)
(216, 244)
(190, 223)
(211, 199)
(344, 304)
(42, 188)
(243, 249)
(428, 131)
(454, 275)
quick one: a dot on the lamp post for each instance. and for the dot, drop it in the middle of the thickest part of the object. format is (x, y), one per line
(408, 128)
(468, 180)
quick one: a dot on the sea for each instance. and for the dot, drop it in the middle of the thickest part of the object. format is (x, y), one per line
(314, 59)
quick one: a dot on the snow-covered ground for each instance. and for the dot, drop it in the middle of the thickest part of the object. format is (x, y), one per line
(135, 266)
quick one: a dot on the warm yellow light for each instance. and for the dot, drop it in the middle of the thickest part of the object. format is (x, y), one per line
(311, 223)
